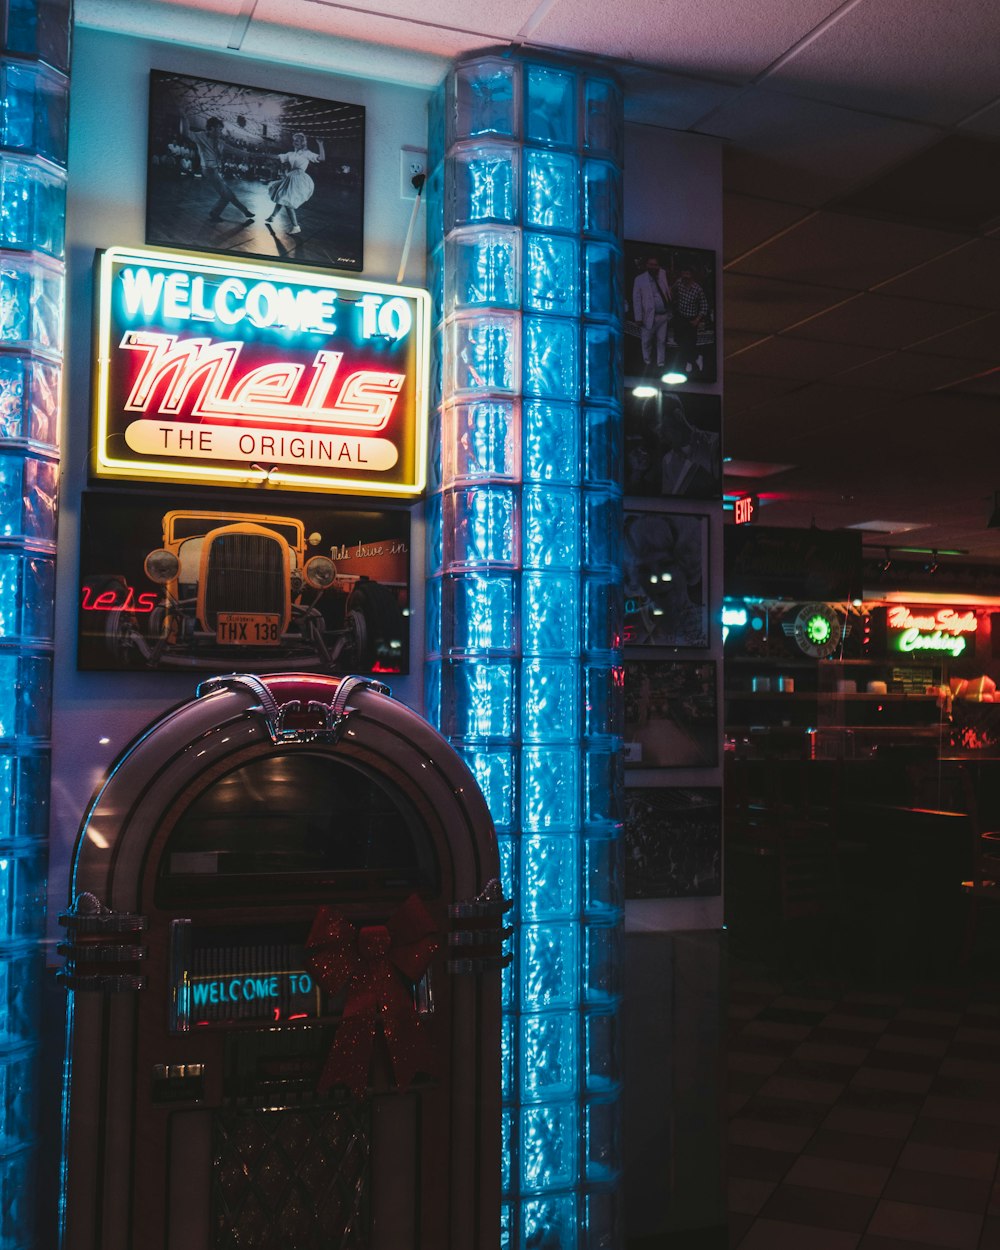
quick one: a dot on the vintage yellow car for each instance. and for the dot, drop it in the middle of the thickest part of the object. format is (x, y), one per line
(246, 589)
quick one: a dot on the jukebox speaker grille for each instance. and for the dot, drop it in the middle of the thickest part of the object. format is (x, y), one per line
(291, 1178)
(246, 573)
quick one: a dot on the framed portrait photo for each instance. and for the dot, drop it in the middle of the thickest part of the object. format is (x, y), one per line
(256, 172)
(673, 842)
(666, 579)
(673, 444)
(671, 714)
(670, 310)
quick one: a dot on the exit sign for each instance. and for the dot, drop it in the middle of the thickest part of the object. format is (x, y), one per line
(745, 509)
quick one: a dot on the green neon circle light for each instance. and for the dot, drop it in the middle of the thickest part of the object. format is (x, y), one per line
(818, 629)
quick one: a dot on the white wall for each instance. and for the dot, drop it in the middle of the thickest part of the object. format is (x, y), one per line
(107, 173)
(673, 195)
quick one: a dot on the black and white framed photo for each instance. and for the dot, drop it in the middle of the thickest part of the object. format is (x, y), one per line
(666, 579)
(244, 170)
(673, 842)
(671, 714)
(670, 313)
(673, 444)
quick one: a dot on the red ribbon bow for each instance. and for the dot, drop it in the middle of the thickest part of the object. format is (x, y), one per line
(378, 999)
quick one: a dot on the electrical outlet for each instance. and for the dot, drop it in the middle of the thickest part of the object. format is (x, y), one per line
(412, 161)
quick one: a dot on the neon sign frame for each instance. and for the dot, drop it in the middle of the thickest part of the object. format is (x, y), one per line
(930, 629)
(236, 373)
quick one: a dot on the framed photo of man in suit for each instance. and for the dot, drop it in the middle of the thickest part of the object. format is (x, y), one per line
(670, 310)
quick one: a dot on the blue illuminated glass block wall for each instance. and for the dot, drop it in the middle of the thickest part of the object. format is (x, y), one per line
(33, 139)
(524, 589)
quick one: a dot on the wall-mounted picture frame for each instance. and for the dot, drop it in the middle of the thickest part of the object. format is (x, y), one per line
(673, 842)
(172, 583)
(670, 310)
(671, 714)
(673, 444)
(666, 579)
(256, 172)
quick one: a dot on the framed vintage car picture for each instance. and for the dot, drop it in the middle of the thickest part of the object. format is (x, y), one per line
(174, 583)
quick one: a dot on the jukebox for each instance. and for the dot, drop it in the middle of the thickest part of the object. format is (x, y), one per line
(283, 953)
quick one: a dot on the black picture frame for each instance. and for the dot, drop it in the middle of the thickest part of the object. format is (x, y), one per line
(699, 350)
(666, 579)
(290, 180)
(671, 714)
(673, 445)
(673, 842)
(164, 585)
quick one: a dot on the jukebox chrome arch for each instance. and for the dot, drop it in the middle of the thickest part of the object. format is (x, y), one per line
(284, 891)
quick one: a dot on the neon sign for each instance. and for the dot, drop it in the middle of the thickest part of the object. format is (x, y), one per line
(121, 597)
(944, 629)
(744, 509)
(234, 373)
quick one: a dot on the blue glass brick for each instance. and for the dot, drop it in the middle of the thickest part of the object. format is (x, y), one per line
(602, 1215)
(434, 205)
(482, 613)
(549, 700)
(433, 518)
(602, 895)
(551, 357)
(432, 637)
(602, 614)
(478, 699)
(495, 772)
(549, 105)
(434, 450)
(22, 894)
(34, 711)
(602, 117)
(508, 1056)
(602, 530)
(41, 490)
(35, 113)
(550, 783)
(507, 849)
(551, 442)
(548, 965)
(549, 1049)
(602, 199)
(481, 186)
(485, 269)
(31, 307)
(602, 358)
(549, 878)
(483, 100)
(549, 1222)
(17, 1196)
(39, 30)
(10, 594)
(21, 975)
(507, 1146)
(18, 1095)
(602, 446)
(551, 613)
(32, 208)
(436, 138)
(484, 354)
(507, 1226)
(480, 528)
(432, 692)
(601, 1051)
(551, 201)
(602, 1138)
(32, 796)
(603, 785)
(551, 281)
(551, 528)
(548, 1147)
(435, 283)
(603, 711)
(482, 441)
(602, 281)
(601, 964)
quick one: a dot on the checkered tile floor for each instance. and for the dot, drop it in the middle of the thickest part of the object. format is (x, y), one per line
(863, 1121)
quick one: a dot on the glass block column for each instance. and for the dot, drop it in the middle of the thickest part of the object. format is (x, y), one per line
(33, 136)
(524, 589)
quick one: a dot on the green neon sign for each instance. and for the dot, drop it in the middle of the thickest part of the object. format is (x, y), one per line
(818, 629)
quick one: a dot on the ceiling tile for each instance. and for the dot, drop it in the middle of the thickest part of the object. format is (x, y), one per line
(934, 62)
(690, 36)
(913, 371)
(978, 339)
(743, 392)
(482, 17)
(806, 151)
(656, 98)
(882, 321)
(970, 275)
(836, 249)
(785, 357)
(737, 340)
(749, 220)
(769, 305)
(985, 122)
(824, 406)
